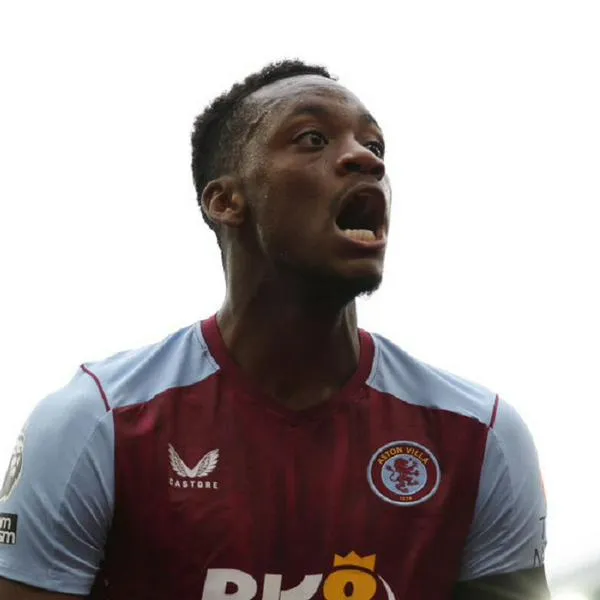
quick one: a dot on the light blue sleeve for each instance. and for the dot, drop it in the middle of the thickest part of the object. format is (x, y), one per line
(57, 500)
(508, 532)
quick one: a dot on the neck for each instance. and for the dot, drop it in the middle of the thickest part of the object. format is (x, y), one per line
(300, 348)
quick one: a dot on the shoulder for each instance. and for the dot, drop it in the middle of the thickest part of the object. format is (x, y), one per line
(136, 376)
(510, 444)
(60, 484)
(76, 420)
(507, 532)
(397, 373)
(67, 417)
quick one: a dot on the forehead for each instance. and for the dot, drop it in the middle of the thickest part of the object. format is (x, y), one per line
(282, 98)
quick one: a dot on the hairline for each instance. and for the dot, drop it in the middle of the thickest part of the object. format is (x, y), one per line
(256, 104)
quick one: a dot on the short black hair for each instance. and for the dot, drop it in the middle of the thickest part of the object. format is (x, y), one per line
(218, 132)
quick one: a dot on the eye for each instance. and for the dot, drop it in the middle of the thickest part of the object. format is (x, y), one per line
(377, 148)
(312, 139)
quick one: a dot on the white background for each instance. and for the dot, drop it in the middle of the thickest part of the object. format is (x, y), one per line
(491, 113)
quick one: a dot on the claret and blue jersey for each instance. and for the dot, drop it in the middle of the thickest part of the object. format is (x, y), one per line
(166, 473)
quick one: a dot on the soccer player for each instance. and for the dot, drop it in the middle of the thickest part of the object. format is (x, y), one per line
(276, 451)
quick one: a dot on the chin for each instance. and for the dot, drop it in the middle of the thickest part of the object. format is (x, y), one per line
(335, 284)
(341, 289)
(360, 278)
(363, 286)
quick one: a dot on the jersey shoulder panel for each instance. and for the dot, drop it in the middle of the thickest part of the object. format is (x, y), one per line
(398, 374)
(137, 376)
(57, 491)
(508, 532)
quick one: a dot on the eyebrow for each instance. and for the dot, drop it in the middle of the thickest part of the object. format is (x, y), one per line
(319, 111)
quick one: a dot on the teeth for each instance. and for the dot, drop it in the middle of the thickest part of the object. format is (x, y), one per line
(363, 235)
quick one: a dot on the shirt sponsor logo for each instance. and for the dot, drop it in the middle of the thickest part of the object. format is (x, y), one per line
(15, 467)
(8, 529)
(194, 477)
(352, 578)
(404, 473)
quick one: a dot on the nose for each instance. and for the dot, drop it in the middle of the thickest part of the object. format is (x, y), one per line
(358, 159)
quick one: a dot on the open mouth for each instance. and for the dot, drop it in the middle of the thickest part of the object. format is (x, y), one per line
(362, 216)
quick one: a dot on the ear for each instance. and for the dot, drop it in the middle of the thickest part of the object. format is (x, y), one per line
(223, 203)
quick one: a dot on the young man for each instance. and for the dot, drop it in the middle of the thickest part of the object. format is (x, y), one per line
(275, 450)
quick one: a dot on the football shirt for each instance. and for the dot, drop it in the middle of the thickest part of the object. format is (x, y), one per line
(166, 472)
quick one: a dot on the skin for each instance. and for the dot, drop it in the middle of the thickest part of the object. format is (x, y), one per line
(287, 267)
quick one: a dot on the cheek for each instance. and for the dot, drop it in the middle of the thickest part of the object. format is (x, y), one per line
(281, 225)
(292, 199)
(298, 196)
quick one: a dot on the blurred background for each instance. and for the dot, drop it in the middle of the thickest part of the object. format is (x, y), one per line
(491, 117)
(579, 583)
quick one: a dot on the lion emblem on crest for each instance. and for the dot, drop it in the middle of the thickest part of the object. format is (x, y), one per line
(405, 473)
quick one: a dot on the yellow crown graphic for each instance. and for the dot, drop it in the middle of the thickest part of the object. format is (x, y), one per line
(354, 560)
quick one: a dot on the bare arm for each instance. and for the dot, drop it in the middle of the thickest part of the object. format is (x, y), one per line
(528, 584)
(12, 590)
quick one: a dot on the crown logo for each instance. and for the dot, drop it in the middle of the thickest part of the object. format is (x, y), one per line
(354, 560)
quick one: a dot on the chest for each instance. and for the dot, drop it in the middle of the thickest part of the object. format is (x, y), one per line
(226, 487)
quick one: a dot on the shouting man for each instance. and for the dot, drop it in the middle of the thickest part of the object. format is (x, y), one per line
(275, 450)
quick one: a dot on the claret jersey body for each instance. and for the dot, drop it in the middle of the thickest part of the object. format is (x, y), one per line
(164, 473)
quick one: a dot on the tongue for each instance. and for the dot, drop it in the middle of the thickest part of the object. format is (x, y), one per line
(362, 235)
